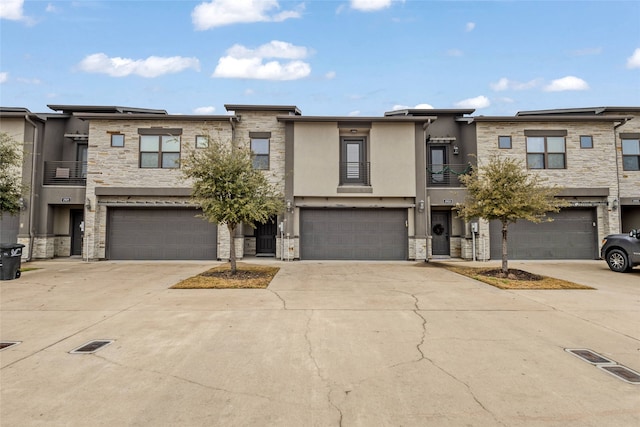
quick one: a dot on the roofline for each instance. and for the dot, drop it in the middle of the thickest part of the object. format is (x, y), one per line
(551, 118)
(130, 116)
(103, 108)
(357, 119)
(244, 107)
(430, 111)
(593, 110)
(19, 113)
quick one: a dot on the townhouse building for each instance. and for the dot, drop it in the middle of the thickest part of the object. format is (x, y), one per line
(104, 182)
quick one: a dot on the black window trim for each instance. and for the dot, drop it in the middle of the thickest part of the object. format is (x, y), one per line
(500, 137)
(363, 178)
(159, 133)
(540, 134)
(590, 139)
(629, 137)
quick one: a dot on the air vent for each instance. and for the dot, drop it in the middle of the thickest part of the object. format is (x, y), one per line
(589, 356)
(91, 347)
(8, 344)
(622, 372)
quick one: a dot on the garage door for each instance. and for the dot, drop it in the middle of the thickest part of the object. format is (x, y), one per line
(160, 234)
(353, 234)
(571, 235)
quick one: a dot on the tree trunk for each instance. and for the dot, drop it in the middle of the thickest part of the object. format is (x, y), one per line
(232, 247)
(505, 267)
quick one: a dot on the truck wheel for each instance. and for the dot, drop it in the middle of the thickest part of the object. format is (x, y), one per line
(618, 261)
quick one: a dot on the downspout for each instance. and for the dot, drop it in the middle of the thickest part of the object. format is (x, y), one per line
(615, 150)
(429, 254)
(32, 195)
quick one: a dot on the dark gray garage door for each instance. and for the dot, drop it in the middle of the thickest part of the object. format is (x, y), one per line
(150, 234)
(353, 234)
(571, 235)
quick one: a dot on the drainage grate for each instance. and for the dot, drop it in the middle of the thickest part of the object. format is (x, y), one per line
(91, 347)
(7, 344)
(622, 372)
(589, 356)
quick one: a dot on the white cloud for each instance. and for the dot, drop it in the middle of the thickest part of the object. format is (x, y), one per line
(51, 8)
(249, 92)
(12, 10)
(634, 60)
(354, 113)
(455, 52)
(29, 81)
(424, 107)
(417, 107)
(330, 75)
(470, 26)
(371, 5)
(4, 77)
(477, 102)
(217, 13)
(204, 110)
(244, 63)
(153, 66)
(566, 83)
(506, 84)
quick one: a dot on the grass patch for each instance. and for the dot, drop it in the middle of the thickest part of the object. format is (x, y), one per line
(23, 269)
(248, 276)
(519, 280)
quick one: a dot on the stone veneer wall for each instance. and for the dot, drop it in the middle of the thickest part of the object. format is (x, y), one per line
(629, 180)
(586, 168)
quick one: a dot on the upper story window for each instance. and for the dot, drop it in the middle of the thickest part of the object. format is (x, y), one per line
(260, 148)
(546, 149)
(117, 140)
(631, 153)
(586, 141)
(504, 142)
(202, 141)
(160, 148)
(354, 168)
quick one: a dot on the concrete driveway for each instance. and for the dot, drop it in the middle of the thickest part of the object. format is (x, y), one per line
(328, 344)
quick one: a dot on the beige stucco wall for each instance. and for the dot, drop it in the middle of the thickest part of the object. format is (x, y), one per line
(391, 153)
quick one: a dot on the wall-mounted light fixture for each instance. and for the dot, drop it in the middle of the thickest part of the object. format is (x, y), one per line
(354, 130)
(87, 204)
(22, 203)
(421, 206)
(456, 150)
(289, 206)
(614, 204)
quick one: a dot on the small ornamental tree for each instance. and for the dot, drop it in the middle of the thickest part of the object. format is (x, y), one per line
(229, 190)
(10, 184)
(503, 190)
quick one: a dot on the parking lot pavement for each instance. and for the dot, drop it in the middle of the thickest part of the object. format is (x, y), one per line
(328, 343)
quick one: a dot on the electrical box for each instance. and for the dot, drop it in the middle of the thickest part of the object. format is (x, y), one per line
(474, 227)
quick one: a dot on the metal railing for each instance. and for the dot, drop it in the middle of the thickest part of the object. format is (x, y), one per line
(446, 175)
(356, 173)
(65, 173)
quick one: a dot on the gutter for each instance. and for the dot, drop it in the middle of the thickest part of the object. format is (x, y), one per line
(32, 196)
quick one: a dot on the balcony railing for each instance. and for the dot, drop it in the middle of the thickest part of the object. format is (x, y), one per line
(356, 173)
(65, 173)
(446, 175)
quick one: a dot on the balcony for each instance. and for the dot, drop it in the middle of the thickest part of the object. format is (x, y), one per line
(446, 175)
(65, 173)
(355, 173)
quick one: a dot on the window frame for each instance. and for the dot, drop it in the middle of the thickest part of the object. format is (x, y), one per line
(634, 155)
(113, 144)
(505, 138)
(257, 159)
(160, 152)
(583, 137)
(202, 141)
(362, 172)
(546, 153)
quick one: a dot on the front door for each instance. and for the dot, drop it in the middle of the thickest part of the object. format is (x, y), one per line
(440, 233)
(266, 238)
(77, 231)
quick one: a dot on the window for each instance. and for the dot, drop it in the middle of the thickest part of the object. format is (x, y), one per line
(260, 151)
(117, 140)
(504, 142)
(354, 168)
(545, 152)
(586, 141)
(202, 141)
(160, 151)
(631, 154)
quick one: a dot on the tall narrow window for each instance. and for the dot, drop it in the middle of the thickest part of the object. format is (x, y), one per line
(437, 163)
(354, 169)
(260, 150)
(631, 154)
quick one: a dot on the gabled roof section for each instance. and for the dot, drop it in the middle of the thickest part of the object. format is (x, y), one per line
(429, 112)
(69, 109)
(291, 109)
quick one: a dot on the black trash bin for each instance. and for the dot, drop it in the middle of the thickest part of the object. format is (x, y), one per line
(10, 258)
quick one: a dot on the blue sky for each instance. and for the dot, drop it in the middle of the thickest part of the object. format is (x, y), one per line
(341, 57)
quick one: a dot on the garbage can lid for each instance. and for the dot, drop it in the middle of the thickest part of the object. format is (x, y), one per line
(11, 245)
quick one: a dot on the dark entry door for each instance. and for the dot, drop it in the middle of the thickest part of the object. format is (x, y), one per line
(77, 225)
(266, 238)
(440, 233)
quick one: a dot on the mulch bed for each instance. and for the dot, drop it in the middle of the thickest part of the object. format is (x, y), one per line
(514, 274)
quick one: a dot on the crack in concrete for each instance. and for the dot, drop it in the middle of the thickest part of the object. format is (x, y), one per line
(284, 303)
(318, 370)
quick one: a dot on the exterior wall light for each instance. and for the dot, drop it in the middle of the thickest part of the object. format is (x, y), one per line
(421, 206)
